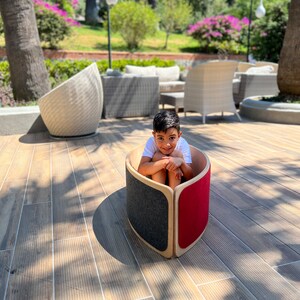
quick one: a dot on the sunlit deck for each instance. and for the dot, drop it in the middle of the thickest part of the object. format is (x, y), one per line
(64, 233)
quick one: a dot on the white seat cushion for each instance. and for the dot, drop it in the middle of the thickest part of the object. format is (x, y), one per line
(260, 70)
(168, 73)
(143, 71)
(236, 86)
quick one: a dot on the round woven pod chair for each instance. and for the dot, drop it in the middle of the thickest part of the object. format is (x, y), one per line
(74, 108)
(168, 221)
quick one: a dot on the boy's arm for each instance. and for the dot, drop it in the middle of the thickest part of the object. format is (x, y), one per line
(179, 162)
(187, 170)
(148, 167)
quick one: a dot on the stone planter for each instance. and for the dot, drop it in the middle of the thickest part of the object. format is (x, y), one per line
(284, 113)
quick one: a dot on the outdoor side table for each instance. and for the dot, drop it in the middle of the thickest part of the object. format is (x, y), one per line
(174, 99)
(130, 96)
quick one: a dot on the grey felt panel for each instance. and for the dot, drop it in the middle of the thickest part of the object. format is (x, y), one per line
(147, 210)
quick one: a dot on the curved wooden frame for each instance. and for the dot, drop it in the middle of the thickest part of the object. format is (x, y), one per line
(170, 222)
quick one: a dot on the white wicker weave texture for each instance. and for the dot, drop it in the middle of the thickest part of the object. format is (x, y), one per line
(208, 88)
(130, 96)
(74, 107)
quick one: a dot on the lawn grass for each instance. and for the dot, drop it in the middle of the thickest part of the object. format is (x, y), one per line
(92, 38)
(89, 38)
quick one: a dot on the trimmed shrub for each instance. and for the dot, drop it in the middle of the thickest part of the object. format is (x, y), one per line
(134, 21)
(61, 70)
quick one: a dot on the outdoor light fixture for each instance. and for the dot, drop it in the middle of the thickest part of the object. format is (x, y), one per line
(109, 3)
(260, 12)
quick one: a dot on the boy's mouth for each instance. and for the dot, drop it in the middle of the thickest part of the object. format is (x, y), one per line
(167, 151)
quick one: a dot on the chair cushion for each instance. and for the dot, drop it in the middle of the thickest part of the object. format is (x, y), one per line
(143, 71)
(260, 70)
(236, 85)
(171, 86)
(168, 73)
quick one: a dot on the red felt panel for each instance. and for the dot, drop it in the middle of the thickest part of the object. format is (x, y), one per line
(193, 210)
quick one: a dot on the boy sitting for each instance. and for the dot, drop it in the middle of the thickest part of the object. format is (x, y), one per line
(166, 157)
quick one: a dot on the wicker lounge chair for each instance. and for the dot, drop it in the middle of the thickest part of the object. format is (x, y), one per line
(74, 108)
(250, 85)
(208, 88)
(127, 96)
(170, 222)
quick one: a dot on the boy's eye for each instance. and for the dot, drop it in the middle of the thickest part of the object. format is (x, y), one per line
(172, 138)
(160, 138)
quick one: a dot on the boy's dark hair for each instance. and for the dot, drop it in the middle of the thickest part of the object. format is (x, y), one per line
(164, 120)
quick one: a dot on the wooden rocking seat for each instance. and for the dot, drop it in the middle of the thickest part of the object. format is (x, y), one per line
(168, 221)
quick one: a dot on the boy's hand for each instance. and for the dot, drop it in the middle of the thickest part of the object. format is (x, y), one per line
(178, 174)
(173, 163)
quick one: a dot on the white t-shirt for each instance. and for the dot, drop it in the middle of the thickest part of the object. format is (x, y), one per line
(182, 146)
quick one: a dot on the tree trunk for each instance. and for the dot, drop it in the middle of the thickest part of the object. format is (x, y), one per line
(29, 76)
(91, 12)
(166, 40)
(288, 78)
(152, 3)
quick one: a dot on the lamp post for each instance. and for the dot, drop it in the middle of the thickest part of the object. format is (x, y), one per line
(260, 12)
(109, 4)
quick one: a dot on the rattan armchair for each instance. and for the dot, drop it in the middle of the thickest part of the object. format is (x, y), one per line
(208, 88)
(73, 108)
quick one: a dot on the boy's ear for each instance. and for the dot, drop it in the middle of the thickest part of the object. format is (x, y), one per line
(179, 133)
(153, 133)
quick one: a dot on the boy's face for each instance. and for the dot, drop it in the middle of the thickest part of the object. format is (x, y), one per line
(166, 141)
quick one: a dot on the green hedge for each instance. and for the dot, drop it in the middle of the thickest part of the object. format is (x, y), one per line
(61, 70)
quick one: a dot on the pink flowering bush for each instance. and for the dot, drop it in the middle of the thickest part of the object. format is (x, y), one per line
(53, 23)
(54, 8)
(220, 33)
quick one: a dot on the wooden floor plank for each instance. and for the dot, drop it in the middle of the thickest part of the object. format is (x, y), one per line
(291, 272)
(280, 228)
(8, 152)
(21, 164)
(250, 249)
(256, 275)
(39, 179)
(5, 259)
(264, 244)
(120, 275)
(226, 289)
(75, 271)
(203, 265)
(11, 203)
(31, 272)
(68, 217)
(108, 175)
(86, 179)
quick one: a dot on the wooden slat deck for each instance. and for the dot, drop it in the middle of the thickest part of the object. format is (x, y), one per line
(64, 233)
